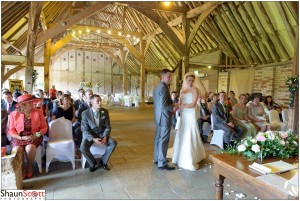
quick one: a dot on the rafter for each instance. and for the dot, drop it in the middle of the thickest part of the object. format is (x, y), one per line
(156, 6)
(50, 33)
(165, 27)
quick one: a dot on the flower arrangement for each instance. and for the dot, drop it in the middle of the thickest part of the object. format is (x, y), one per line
(293, 85)
(282, 144)
(85, 84)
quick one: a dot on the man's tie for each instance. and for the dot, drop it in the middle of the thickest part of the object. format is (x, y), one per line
(96, 114)
(8, 108)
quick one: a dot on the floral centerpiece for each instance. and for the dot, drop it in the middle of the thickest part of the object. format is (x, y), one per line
(293, 85)
(282, 144)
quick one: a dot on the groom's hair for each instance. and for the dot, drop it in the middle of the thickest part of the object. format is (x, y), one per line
(165, 71)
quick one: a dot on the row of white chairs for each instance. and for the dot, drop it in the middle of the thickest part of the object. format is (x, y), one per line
(275, 122)
(61, 145)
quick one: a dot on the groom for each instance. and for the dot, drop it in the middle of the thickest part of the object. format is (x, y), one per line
(163, 111)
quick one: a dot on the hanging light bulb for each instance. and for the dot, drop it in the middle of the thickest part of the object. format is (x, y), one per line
(98, 31)
(120, 33)
(87, 30)
(80, 32)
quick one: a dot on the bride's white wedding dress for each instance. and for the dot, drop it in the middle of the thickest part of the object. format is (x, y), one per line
(188, 149)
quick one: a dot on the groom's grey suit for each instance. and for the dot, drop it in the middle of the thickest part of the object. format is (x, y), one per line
(90, 131)
(163, 107)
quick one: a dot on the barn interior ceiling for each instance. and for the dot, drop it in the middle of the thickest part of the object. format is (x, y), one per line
(249, 33)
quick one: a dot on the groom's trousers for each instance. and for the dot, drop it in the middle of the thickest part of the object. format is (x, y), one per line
(161, 142)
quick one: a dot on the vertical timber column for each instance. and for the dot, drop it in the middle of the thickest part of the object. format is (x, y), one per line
(33, 22)
(143, 72)
(112, 78)
(186, 56)
(47, 57)
(295, 124)
(125, 78)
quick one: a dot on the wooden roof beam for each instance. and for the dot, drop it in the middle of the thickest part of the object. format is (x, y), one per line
(190, 14)
(165, 27)
(198, 23)
(159, 6)
(52, 32)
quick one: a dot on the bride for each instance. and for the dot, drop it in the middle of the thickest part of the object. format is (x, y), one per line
(188, 148)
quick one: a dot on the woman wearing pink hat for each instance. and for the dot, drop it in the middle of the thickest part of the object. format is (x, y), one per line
(26, 127)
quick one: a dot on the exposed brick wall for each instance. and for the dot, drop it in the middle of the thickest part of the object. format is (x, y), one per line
(271, 81)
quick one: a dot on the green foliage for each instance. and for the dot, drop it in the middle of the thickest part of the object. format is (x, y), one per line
(293, 85)
(282, 144)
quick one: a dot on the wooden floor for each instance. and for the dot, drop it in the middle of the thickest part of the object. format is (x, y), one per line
(133, 174)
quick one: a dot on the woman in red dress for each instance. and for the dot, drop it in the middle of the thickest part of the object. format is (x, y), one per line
(27, 126)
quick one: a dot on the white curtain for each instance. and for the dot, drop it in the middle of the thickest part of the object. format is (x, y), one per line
(241, 81)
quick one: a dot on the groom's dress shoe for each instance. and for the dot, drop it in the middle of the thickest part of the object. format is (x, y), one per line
(93, 168)
(166, 167)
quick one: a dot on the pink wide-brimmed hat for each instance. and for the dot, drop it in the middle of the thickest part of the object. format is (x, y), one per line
(26, 98)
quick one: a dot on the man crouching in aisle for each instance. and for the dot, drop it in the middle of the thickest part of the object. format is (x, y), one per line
(95, 126)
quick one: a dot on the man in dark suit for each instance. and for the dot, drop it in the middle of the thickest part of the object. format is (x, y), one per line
(174, 100)
(222, 121)
(81, 108)
(95, 126)
(8, 104)
(203, 117)
(163, 111)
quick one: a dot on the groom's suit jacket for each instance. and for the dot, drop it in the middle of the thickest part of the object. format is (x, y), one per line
(220, 116)
(90, 130)
(163, 105)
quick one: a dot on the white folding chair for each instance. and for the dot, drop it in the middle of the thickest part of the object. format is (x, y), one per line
(38, 157)
(97, 150)
(61, 142)
(285, 115)
(275, 122)
(217, 138)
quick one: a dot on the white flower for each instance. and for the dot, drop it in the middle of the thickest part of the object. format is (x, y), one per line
(255, 148)
(295, 143)
(254, 141)
(282, 142)
(241, 148)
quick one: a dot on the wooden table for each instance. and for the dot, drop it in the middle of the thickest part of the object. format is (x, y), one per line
(236, 168)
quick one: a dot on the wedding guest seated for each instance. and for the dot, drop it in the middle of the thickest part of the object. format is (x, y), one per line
(80, 100)
(53, 92)
(247, 98)
(47, 105)
(16, 94)
(232, 100)
(56, 102)
(240, 115)
(95, 126)
(174, 98)
(222, 121)
(24, 92)
(204, 116)
(8, 103)
(257, 114)
(213, 100)
(82, 107)
(271, 105)
(65, 109)
(4, 120)
(27, 127)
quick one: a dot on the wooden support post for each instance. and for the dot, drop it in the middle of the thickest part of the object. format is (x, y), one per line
(186, 56)
(125, 72)
(295, 124)
(142, 73)
(47, 65)
(33, 22)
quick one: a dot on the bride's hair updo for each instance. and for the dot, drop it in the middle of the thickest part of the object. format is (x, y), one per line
(196, 81)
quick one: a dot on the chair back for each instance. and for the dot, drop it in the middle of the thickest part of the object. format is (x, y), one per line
(285, 115)
(60, 129)
(274, 116)
(212, 121)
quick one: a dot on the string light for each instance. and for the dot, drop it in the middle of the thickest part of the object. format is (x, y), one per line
(87, 30)
(209, 67)
(167, 3)
(80, 32)
(109, 31)
(98, 31)
(120, 33)
(128, 36)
